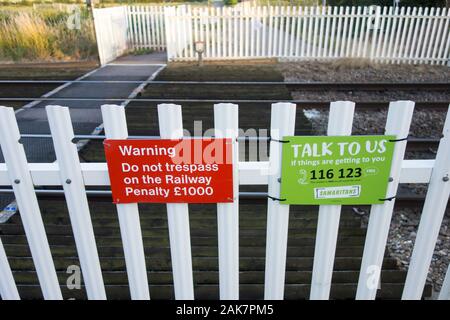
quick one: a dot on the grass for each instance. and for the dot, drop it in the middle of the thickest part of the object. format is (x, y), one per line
(44, 35)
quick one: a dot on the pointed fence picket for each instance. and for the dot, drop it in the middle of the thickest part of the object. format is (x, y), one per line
(115, 125)
(282, 124)
(226, 126)
(171, 127)
(431, 219)
(398, 123)
(339, 124)
(77, 203)
(21, 181)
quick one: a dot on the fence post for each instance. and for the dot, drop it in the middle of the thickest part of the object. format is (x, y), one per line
(74, 190)
(8, 288)
(282, 124)
(30, 213)
(130, 227)
(226, 126)
(171, 127)
(431, 219)
(339, 124)
(398, 123)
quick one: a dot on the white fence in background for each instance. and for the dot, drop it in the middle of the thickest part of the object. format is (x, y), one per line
(74, 176)
(111, 32)
(381, 34)
(400, 35)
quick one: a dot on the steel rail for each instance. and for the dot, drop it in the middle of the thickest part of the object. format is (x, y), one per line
(300, 103)
(293, 84)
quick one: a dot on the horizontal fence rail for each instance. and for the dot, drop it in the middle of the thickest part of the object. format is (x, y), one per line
(23, 177)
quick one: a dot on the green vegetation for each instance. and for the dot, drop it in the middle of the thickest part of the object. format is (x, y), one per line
(46, 35)
(231, 2)
(141, 51)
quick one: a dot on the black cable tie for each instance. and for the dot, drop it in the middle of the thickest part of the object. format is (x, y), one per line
(280, 141)
(275, 199)
(398, 140)
(388, 199)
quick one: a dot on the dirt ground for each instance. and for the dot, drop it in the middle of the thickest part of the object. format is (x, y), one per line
(47, 71)
(360, 70)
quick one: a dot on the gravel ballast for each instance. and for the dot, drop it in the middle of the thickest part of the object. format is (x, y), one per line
(362, 70)
(402, 235)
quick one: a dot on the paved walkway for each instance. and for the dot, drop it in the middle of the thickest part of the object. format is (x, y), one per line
(86, 115)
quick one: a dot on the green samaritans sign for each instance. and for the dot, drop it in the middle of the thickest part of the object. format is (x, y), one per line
(336, 169)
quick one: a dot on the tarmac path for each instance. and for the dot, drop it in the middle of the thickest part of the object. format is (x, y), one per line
(85, 115)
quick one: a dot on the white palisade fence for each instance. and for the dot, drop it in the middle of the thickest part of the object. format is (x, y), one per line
(381, 34)
(74, 176)
(400, 35)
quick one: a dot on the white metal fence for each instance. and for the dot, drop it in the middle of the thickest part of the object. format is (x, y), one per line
(74, 176)
(381, 34)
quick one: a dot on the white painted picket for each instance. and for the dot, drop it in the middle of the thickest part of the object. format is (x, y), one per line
(77, 203)
(69, 173)
(282, 124)
(431, 219)
(171, 127)
(398, 124)
(339, 124)
(226, 126)
(19, 177)
(115, 125)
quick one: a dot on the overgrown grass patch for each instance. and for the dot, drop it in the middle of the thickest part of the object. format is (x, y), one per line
(46, 35)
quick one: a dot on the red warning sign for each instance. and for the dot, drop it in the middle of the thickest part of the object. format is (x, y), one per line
(170, 171)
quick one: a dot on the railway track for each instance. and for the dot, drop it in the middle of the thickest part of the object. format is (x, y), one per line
(338, 86)
(300, 103)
